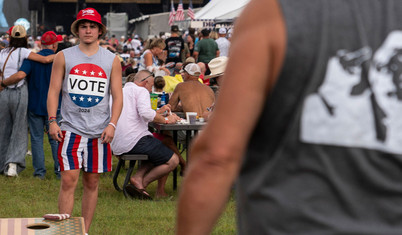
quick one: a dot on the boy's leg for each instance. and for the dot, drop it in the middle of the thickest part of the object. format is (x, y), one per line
(70, 160)
(68, 184)
(97, 159)
(90, 197)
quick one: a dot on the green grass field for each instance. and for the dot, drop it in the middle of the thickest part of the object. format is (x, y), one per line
(26, 196)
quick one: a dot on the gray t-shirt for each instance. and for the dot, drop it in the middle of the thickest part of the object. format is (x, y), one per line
(325, 155)
(85, 93)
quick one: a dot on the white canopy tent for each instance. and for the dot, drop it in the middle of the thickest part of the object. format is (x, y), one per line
(221, 9)
(152, 25)
(213, 15)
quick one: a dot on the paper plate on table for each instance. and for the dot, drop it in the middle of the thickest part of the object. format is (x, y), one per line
(183, 121)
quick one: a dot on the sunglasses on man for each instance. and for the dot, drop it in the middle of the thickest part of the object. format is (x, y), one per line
(151, 75)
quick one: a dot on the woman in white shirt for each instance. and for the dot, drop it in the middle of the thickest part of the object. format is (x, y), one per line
(149, 59)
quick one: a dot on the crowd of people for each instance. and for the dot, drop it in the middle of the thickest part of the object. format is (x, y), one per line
(164, 56)
(71, 87)
(179, 45)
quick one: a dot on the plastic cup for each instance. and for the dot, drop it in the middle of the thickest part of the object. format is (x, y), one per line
(191, 117)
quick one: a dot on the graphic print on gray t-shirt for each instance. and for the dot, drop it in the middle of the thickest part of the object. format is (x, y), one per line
(87, 85)
(360, 101)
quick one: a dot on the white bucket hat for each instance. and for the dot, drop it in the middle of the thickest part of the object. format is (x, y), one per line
(217, 66)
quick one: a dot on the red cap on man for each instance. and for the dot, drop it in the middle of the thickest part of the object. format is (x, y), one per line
(50, 38)
(88, 14)
(9, 30)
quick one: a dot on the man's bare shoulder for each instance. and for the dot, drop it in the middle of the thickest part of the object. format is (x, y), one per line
(188, 84)
(192, 87)
(59, 60)
(60, 54)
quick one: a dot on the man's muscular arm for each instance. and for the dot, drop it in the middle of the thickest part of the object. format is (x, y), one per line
(221, 145)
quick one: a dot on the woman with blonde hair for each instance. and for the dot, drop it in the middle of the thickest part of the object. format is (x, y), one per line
(149, 59)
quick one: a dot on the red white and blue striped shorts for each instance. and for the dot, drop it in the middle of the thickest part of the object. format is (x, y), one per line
(76, 152)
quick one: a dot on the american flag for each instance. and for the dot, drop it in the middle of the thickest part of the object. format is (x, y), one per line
(180, 12)
(190, 12)
(171, 14)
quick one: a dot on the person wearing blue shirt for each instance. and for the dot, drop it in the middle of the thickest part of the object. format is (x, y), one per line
(38, 77)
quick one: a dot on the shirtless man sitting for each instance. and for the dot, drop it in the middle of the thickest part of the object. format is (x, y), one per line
(191, 95)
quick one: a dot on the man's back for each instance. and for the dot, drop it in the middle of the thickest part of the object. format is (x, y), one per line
(174, 47)
(136, 44)
(38, 83)
(135, 115)
(207, 49)
(223, 45)
(194, 97)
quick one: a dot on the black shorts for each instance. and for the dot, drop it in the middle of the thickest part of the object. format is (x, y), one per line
(157, 152)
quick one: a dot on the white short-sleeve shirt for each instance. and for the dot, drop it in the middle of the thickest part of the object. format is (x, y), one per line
(14, 62)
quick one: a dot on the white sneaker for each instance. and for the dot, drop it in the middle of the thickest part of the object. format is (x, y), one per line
(12, 170)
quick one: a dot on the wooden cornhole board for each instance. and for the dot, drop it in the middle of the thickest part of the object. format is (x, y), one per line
(40, 226)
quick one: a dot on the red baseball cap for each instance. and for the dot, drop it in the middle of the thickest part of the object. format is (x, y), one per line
(50, 38)
(9, 30)
(88, 14)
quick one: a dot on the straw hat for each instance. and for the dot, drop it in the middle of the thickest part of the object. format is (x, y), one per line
(88, 14)
(217, 66)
